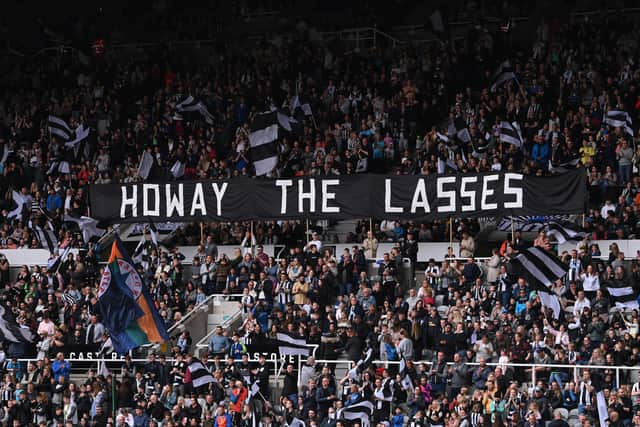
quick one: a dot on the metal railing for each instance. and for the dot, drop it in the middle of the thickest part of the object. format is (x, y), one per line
(361, 34)
(196, 321)
(533, 367)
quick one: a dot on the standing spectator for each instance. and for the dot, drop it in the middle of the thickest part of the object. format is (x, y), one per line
(61, 367)
(370, 245)
(624, 155)
(467, 245)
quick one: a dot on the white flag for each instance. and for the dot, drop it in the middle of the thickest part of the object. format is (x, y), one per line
(146, 162)
(177, 170)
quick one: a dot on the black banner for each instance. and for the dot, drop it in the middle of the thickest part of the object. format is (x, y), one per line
(339, 197)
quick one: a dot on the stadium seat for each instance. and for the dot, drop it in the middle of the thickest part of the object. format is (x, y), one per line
(439, 300)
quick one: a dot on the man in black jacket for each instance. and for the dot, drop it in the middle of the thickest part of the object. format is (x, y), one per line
(290, 386)
(354, 345)
(325, 396)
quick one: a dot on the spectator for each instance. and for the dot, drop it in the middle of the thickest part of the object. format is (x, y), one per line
(61, 368)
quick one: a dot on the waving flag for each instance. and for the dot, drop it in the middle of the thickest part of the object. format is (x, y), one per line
(565, 231)
(620, 119)
(541, 269)
(11, 330)
(503, 74)
(127, 308)
(263, 140)
(510, 133)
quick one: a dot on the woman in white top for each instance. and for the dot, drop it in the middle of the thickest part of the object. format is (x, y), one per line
(632, 324)
(590, 282)
(562, 337)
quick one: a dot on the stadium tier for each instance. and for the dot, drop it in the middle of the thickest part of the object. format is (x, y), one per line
(320, 214)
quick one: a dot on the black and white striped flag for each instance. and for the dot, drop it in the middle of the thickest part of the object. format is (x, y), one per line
(566, 231)
(528, 222)
(153, 231)
(444, 165)
(405, 379)
(88, 226)
(191, 104)
(362, 410)
(503, 74)
(541, 268)
(55, 261)
(362, 364)
(460, 129)
(21, 202)
(199, 374)
(263, 140)
(619, 119)
(11, 331)
(510, 133)
(46, 237)
(292, 345)
(564, 166)
(622, 295)
(59, 128)
(80, 133)
(302, 105)
(255, 388)
(140, 255)
(68, 298)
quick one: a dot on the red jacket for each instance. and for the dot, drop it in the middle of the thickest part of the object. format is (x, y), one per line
(238, 396)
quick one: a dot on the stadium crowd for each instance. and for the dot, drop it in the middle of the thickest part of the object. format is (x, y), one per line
(375, 112)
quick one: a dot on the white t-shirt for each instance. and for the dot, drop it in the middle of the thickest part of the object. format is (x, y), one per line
(590, 283)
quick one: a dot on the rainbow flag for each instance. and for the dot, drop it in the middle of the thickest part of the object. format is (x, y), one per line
(127, 309)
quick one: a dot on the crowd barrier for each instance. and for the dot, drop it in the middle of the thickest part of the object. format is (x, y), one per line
(531, 368)
(80, 367)
(426, 251)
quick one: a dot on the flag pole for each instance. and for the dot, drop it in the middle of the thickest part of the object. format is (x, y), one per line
(113, 395)
(371, 225)
(451, 232)
(252, 239)
(583, 219)
(307, 219)
(513, 232)
(202, 233)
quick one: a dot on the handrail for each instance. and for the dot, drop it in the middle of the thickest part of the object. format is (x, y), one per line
(189, 314)
(375, 30)
(533, 367)
(199, 306)
(358, 30)
(511, 364)
(204, 341)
